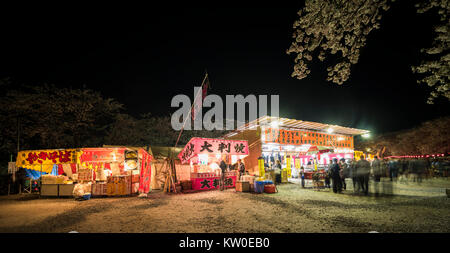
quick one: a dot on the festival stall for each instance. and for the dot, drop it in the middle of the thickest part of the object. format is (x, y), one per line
(204, 156)
(296, 144)
(111, 171)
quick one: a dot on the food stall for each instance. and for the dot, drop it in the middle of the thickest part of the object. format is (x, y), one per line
(110, 171)
(204, 156)
(295, 143)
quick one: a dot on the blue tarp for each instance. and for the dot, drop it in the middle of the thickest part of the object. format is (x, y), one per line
(34, 174)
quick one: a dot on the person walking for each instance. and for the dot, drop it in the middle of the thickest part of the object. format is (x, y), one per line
(302, 176)
(335, 176)
(363, 172)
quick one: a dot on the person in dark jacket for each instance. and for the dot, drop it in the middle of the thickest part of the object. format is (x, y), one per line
(336, 177)
(223, 167)
(240, 168)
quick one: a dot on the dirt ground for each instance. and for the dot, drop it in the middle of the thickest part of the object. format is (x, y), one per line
(413, 208)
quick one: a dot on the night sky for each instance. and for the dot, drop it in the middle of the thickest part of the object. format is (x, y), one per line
(145, 55)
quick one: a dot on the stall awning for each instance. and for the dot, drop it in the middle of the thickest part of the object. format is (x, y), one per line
(209, 146)
(293, 124)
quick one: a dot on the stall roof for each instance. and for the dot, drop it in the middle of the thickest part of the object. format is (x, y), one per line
(293, 124)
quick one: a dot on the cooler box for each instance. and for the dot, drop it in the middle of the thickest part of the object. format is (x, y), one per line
(242, 186)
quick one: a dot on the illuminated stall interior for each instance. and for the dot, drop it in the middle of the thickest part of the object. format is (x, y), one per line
(300, 141)
(204, 156)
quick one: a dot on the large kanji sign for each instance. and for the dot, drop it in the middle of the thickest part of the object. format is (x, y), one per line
(297, 137)
(43, 160)
(214, 147)
(213, 182)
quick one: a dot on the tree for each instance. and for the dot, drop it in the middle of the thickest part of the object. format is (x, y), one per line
(436, 69)
(334, 27)
(337, 30)
(431, 137)
(52, 117)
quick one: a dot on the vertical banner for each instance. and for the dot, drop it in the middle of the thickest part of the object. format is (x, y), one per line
(261, 167)
(288, 166)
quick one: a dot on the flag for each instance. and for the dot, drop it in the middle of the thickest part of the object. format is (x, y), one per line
(199, 101)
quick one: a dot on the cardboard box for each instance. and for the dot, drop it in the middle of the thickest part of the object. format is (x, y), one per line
(49, 190)
(65, 190)
(48, 179)
(84, 175)
(99, 189)
(242, 186)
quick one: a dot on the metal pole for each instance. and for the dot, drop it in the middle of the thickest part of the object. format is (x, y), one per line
(189, 114)
(18, 135)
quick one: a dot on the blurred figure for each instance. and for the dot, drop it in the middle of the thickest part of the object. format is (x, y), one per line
(376, 171)
(343, 172)
(363, 172)
(335, 176)
(223, 166)
(421, 168)
(277, 169)
(327, 176)
(302, 176)
(354, 176)
(412, 169)
(393, 169)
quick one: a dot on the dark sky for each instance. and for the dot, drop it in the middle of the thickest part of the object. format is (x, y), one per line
(145, 55)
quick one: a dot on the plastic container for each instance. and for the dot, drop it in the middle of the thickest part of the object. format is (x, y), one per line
(269, 188)
(259, 186)
(87, 196)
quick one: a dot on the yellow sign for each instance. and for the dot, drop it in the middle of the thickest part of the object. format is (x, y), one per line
(43, 160)
(297, 163)
(288, 166)
(261, 167)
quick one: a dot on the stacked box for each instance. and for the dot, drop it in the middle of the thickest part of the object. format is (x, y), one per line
(242, 186)
(119, 185)
(99, 189)
(84, 175)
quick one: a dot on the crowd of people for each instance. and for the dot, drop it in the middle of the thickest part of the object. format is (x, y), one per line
(362, 171)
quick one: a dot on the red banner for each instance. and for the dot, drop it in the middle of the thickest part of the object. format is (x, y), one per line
(213, 146)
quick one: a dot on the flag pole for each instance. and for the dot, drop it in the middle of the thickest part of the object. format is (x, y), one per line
(192, 106)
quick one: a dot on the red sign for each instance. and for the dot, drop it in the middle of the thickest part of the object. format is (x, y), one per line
(209, 183)
(213, 146)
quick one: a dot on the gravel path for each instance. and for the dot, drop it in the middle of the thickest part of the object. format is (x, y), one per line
(413, 208)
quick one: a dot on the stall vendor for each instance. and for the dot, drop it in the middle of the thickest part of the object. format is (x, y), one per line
(241, 168)
(223, 166)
